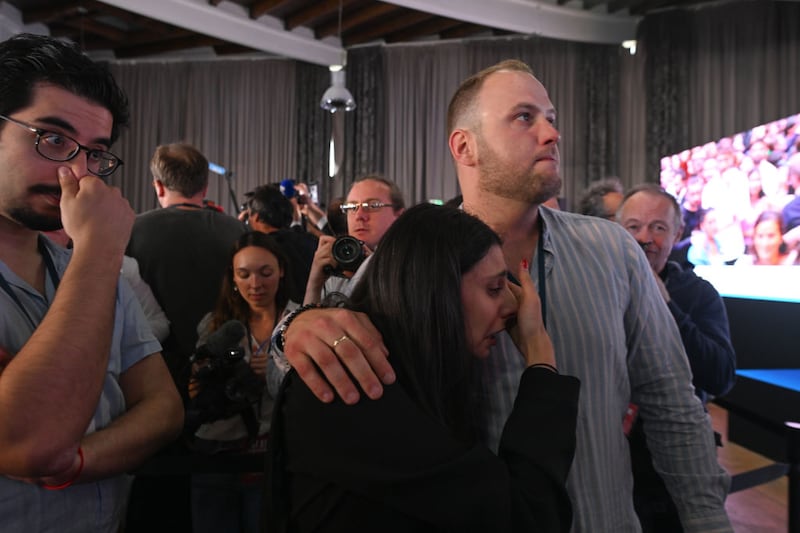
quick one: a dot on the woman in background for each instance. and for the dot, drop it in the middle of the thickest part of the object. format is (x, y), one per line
(412, 461)
(768, 245)
(253, 293)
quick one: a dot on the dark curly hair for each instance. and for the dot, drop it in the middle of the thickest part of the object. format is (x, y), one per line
(27, 60)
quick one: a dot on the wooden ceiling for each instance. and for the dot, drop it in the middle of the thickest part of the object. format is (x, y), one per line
(122, 29)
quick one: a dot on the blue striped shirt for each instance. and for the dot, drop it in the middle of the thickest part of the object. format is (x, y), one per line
(611, 328)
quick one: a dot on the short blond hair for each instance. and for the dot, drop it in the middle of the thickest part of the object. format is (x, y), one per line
(462, 104)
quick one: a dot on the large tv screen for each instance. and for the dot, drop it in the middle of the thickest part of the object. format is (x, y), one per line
(740, 202)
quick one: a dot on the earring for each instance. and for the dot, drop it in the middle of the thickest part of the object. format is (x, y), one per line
(235, 288)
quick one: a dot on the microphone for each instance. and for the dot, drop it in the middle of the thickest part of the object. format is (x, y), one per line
(287, 188)
(223, 341)
(219, 169)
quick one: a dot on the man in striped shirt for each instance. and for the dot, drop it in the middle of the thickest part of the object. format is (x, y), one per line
(609, 325)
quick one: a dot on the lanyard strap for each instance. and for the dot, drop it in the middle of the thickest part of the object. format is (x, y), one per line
(259, 347)
(542, 288)
(542, 285)
(185, 204)
(51, 269)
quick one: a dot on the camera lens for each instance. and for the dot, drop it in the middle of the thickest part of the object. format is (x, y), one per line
(347, 252)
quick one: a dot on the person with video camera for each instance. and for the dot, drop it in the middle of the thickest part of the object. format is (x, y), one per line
(371, 207)
(230, 407)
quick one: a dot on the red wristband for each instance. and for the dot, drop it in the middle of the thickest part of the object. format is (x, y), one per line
(70, 481)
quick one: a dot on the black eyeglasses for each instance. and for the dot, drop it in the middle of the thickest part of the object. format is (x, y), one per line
(58, 147)
(368, 207)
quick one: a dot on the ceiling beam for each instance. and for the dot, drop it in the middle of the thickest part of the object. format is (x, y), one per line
(97, 28)
(237, 28)
(351, 20)
(181, 43)
(48, 15)
(262, 7)
(589, 4)
(391, 25)
(433, 27)
(316, 10)
(462, 30)
(618, 5)
(533, 17)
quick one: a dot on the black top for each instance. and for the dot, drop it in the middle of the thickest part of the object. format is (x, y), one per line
(702, 321)
(183, 255)
(299, 247)
(386, 465)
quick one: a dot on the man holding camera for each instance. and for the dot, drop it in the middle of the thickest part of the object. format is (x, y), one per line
(372, 206)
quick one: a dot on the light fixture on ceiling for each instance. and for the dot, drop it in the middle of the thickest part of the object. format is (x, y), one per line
(337, 97)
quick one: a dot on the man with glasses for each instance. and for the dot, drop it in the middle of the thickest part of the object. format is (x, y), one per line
(86, 396)
(371, 207)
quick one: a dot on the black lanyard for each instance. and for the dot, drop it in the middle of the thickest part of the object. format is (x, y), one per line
(51, 269)
(542, 288)
(542, 285)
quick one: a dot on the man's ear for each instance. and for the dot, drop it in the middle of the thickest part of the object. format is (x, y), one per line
(158, 185)
(463, 147)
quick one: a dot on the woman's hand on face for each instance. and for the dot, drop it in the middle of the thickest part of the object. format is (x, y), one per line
(528, 331)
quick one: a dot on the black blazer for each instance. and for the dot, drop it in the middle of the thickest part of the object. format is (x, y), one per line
(386, 465)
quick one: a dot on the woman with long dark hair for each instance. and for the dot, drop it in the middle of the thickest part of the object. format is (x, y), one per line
(437, 291)
(253, 293)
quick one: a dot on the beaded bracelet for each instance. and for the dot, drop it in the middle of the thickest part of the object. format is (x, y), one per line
(71, 480)
(280, 336)
(545, 365)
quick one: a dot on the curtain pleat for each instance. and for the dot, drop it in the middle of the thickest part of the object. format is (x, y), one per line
(698, 75)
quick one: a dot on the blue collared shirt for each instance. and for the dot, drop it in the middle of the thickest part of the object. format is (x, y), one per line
(97, 506)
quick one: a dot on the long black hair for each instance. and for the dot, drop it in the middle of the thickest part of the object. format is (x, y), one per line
(412, 292)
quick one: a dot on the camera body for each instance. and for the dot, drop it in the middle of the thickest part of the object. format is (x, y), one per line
(348, 252)
(226, 383)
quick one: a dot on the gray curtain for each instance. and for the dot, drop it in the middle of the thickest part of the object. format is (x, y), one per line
(698, 75)
(582, 81)
(419, 81)
(718, 71)
(240, 114)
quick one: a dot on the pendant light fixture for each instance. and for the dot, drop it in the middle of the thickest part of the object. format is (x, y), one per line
(337, 97)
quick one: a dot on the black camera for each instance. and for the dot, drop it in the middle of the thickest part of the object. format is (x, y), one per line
(348, 252)
(226, 383)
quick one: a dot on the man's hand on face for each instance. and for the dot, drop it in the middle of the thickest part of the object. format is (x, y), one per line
(93, 212)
